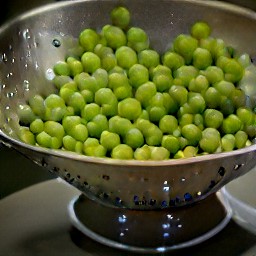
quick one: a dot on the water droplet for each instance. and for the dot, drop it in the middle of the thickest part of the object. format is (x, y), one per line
(49, 74)
(26, 34)
(9, 94)
(56, 43)
(9, 75)
(183, 179)
(4, 57)
(26, 85)
(179, 226)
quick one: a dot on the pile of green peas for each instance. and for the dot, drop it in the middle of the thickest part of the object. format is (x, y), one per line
(118, 97)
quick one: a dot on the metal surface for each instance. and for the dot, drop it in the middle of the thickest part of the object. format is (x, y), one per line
(27, 56)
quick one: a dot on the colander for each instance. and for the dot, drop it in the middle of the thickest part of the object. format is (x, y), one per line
(148, 206)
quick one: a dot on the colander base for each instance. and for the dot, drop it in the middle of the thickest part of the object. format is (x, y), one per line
(150, 231)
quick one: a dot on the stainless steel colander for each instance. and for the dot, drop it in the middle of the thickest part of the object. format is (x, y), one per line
(28, 53)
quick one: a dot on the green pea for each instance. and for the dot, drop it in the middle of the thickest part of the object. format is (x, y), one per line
(54, 129)
(120, 16)
(213, 74)
(69, 143)
(79, 132)
(226, 106)
(186, 119)
(173, 60)
(25, 114)
(134, 138)
(199, 121)
(190, 151)
(36, 126)
(149, 58)
(186, 74)
(168, 124)
(163, 82)
(101, 76)
(88, 39)
(179, 94)
(122, 152)
(114, 36)
(213, 118)
(86, 82)
(109, 140)
(90, 111)
(62, 68)
(212, 98)
(202, 58)
(159, 153)
(143, 153)
(200, 30)
(97, 125)
(185, 45)
(137, 39)
(198, 84)
(91, 62)
(171, 143)
(126, 57)
(69, 122)
(192, 133)
(138, 75)
(119, 125)
(26, 135)
(93, 148)
(129, 108)
(75, 66)
(36, 103)
(210, 140)
(105, 98)
(225, 88)
(145, 92)
(108, 61)
(60, 80)
(231, 124)
(241, 138)
(246, 115)
(76, 100)
(228, 142)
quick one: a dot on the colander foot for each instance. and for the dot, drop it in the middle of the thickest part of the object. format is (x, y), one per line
(150, 231)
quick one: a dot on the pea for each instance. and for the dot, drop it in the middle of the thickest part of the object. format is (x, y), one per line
(159, 153)
(126, 57)
(225, 88)
(25, 114)
(36, 103)
(179, 94)
(231, 124)
(86, 82)
(93, 148)
(97, 125)
(75, 66)
(202, 58)
(200, 30)
(198, 84)
(212, 98)
(27, 136)
(62, 68)
(142, 153)
(190, 151)
(129, 108)
(196, 103)
(186, 119)
(69, 143)
(149, 58)
(145, 92)
(138, 75)
(122, 152)
(88, 39)
(241, 138)
(91, 62)
(54, 129)
(137, 39)
(90, 111)
(213, 118)
(109, 140)
(192, 133)
(134, 138)
(114, 36)
(105, 98)
(119, 125)
(168, 124)
(120, 16)
(173, 60)
(210, 140)
(185, 45)
(213, 74)
(246, 115)
(228, 142)
(37, 126)
(60, 80)
(186, 74)
(101, 76)
(171, 143)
